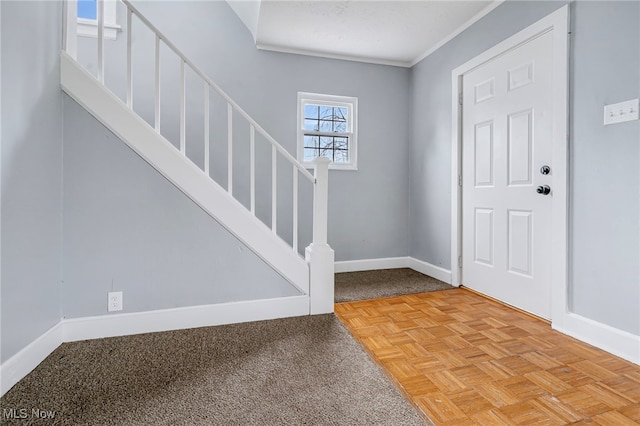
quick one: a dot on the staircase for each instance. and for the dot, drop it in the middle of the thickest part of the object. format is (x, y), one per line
(312, 274)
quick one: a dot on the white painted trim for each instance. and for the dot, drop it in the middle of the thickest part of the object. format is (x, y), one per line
(560, 178)
(558, 22)
(620, 343)
(394, 263)
(327, 55)
(183, 173)
(456, 179)
(183, 318)
(431, 270)
(322, 271)
(371, 264)
(89, 28)
(70, 27)
(457, 31)
(19, 365)
(71, 330)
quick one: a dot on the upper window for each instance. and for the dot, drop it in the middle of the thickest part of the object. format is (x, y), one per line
(87, 19)
(327, 128)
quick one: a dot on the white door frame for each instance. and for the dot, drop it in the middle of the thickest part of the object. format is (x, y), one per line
(558, 23)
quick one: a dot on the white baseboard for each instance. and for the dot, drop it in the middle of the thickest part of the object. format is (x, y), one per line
(19, 365)
(620, 343)
(182, 318)
(371, 264)
(70, 330)
(394, 263)
(431, 270)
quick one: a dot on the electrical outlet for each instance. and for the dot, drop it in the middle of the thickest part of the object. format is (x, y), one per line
(114, 301)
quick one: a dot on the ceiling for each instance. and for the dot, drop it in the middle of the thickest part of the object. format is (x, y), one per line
(393, 32)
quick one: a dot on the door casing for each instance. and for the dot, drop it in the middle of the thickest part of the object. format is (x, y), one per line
(558, 23)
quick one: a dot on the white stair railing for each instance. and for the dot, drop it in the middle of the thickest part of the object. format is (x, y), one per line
(318, 254)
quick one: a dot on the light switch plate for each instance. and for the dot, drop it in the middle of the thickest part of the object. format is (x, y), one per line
(621, 112)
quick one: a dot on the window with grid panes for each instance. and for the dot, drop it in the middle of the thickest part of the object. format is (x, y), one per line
(327, 128)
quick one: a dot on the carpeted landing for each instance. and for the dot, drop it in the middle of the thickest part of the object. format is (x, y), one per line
(367, 285)
(295, 371)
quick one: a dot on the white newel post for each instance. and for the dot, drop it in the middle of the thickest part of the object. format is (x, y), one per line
(318, 254)
(70, 27)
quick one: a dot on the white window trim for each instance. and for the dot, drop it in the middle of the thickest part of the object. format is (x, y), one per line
(89, 27)
(351, 103)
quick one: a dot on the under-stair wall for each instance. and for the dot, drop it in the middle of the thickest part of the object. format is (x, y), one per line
(129, 229)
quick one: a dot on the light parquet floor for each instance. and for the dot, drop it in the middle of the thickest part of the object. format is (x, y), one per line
(462, 359)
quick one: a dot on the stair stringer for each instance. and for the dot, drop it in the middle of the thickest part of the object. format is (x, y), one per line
(179, 170)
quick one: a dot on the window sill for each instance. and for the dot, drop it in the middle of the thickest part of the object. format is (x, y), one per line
(89, 28)
(332, 166)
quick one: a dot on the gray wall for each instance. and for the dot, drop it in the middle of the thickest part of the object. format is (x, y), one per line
(368, 208)
(604, 162)
(605, 172)
(31, 172)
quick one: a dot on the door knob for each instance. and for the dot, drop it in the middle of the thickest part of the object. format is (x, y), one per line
(543, 189)
(545, 170)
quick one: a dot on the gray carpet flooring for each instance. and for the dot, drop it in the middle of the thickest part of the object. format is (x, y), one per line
(353, 286)
(296, 371)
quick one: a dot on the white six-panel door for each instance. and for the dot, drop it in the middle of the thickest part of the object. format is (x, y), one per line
(506, 140)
